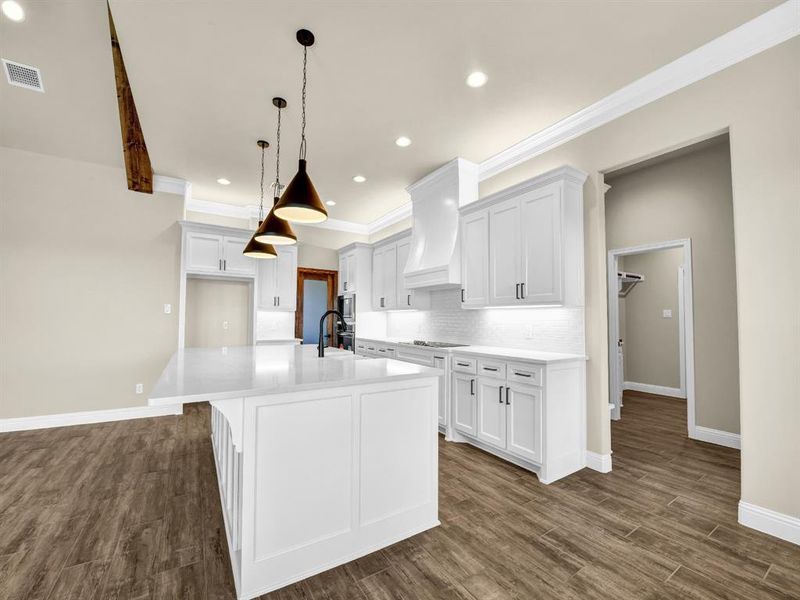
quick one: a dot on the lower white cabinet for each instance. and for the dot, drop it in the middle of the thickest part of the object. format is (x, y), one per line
(465, 405)
(508, 411)
(440, 362)
(277, 281)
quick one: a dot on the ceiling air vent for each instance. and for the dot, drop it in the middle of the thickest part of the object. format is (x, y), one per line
(23, 76)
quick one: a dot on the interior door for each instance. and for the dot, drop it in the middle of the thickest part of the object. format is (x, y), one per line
(492, 412)
(439, 363)
(524, 422)
(286, 278)
(542, 269)
(234, 262)
(504, 259)
(204, 253)
(464, 404)
(475, 259)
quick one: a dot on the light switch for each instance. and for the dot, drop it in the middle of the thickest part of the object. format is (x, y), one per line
(225, 325)
(139, 388)
(167, 309)
(667, 313)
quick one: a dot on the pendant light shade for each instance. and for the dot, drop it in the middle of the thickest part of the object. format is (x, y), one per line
(300, 202)
(256, 249)
(275, 230)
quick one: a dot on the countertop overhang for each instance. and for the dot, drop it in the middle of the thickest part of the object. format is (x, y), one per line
(205, 374)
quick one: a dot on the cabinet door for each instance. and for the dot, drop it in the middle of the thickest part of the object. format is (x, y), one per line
(464, 404)
(403, 299)
(390, 276)
(377, 279)
(350, 270)
(267, 295)
(342, 274)
(475, 259)
(504, 246)
(203, 253)
(438, 362)
(524, 413)
(492, 411)
(233, 261)
(542, 264)
(286, 278)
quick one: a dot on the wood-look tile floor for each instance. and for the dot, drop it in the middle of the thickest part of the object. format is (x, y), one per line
(130, 510)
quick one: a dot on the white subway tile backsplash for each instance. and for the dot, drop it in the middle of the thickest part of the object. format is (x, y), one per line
(545, 329)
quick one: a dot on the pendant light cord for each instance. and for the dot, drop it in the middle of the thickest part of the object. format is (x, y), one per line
(277, 190)
(303, 127)
(261, 202)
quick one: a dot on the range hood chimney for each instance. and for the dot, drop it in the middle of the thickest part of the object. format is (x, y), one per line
(434, 260)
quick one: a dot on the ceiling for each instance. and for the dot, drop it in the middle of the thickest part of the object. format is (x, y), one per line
(203, 75)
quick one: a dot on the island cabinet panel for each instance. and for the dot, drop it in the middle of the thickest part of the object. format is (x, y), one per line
(311, 479)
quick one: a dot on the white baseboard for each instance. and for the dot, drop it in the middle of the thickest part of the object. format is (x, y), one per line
(717, 436)
(769, 521)
(598, 462)
(649, 388)
(89, 416)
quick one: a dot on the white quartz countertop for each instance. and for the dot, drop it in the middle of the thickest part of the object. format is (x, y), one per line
(197, 374)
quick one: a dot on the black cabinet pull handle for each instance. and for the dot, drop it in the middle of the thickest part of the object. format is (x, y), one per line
(460, 364)
(471, 387)
(490, 369)
(409, 299)
(500, 389)
(517, 291)
(462, 294)
(507, 400)
(224, 264)
(522, 293)
(522, 374)
(438, 357)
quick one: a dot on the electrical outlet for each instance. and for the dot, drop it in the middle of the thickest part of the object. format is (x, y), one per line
(529, 332)
(167, 309)
(225, 325)
(139, 388)
(667, 313)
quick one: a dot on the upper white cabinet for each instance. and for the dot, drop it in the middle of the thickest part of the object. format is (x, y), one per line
(389, 291)
(277, 281)
(216, 253)
(355, 269)
(524, 245)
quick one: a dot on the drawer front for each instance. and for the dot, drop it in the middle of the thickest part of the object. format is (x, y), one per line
(391, 352)
(382, 350)
(465, 365)
(524, 373)
(371, 349)
(492, 368)
(419, 358)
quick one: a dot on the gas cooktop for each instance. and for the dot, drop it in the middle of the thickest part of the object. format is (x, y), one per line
(437, 344)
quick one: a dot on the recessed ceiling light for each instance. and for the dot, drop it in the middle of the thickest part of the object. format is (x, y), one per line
(359, 179)
(477, 79)
(13, 10)
(223, 181)
(331, 203)
(403, 141)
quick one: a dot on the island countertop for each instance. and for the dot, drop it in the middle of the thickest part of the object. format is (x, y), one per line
(198, 374)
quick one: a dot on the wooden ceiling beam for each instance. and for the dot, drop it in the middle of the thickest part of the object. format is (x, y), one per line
(137, 160)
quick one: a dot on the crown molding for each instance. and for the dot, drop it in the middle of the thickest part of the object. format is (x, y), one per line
(171, 185)
(761, 33)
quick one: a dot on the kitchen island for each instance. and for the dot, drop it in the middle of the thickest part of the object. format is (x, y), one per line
(319, 460)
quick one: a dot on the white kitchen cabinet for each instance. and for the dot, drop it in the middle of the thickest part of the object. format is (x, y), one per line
(532, 234)
(524, 421)
(384, 277)
(277, 281)
(348, 267)
(440, 362)
(355, 272)
(465, 404)
(217, 254)
(475, 259)
(504, 257)
(492, 411)
(408, 298)
(343, 270)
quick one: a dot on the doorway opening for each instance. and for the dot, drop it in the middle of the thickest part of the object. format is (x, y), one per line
(316, 293)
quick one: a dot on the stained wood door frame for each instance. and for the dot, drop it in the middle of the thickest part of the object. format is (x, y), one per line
(685, 324)
(303, 273)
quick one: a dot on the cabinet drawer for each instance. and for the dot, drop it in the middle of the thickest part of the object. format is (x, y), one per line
(523, 373)
(465, 365)
(492, 368)
(419, 358)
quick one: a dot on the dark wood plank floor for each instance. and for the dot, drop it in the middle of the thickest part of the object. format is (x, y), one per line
(130, 510)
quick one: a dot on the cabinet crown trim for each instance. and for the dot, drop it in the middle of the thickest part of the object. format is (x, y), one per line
(194, 226)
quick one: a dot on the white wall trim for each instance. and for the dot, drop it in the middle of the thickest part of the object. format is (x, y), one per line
(650, 388)
(770, 522)
(219, 209)
(598, 462)
(170, 185)
(761, 33)
(717, 436)
(89, 416)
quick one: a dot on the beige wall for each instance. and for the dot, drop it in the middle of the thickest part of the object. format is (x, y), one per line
(391, 230)
(316, 257)
(86, 267)
(689, 196)
(651, 342)
(217, 313)
(758, 100)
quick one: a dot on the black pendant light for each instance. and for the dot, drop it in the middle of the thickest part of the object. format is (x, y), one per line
(275, 230)
(254, 248)
(300, 202)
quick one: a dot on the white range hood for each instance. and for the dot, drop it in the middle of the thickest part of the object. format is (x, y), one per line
(434, 260)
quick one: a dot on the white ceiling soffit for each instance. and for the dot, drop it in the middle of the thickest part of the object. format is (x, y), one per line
(765, 31)
(761, 33)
